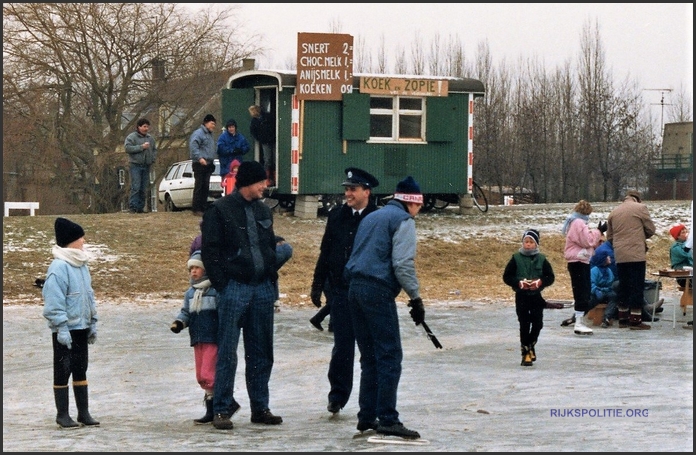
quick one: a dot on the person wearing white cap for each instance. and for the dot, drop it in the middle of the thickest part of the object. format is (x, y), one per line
(199, 314)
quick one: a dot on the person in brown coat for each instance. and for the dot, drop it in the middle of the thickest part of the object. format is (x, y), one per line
(628, 227)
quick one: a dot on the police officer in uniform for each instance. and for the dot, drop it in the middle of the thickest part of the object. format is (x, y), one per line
(336, 247)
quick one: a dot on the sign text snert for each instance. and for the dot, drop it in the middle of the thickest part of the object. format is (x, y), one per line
(324, 66)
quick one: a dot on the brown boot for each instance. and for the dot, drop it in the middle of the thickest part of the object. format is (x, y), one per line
(624, 316)
(526, 357)
(636, 323)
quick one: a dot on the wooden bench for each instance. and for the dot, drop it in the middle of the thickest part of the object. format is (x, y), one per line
(596, 314)
(31, 206)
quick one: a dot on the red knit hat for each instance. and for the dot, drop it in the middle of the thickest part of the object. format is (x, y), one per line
(676, 230)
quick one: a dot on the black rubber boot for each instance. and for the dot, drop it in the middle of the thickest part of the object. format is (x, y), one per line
(208, 417)
(61, 394)
(82, 401)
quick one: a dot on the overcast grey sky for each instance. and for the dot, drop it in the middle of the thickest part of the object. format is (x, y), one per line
(650, 43)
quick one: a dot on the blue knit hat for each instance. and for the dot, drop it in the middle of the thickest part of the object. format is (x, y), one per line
(532, 234)
(408, 190)
(195, 260)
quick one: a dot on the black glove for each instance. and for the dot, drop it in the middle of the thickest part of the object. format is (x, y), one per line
(602, 226)
(315, 295)
(417, 311)
(687, 249)
(177, 326)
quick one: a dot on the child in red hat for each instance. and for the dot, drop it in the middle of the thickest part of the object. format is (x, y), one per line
(679, 257)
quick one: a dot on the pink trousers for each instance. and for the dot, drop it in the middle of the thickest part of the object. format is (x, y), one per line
(206, 358)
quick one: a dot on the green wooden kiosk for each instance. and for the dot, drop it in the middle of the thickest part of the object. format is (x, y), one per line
(390, 125)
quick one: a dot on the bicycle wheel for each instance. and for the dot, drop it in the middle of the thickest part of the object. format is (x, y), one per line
(270, 202)
(479, 198)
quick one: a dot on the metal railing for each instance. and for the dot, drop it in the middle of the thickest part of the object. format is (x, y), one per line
(673, 162)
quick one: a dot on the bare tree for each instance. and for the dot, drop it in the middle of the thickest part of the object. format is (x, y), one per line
(382, 63)
(400, 65)
(680, 110)
(96, 68)
(362, 58)
(455, 58)
(336, 26)
(564, 110)
(417, 55)
(436, 64)
(595, 89)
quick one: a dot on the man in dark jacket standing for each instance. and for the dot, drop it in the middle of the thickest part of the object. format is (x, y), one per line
(336, 246)
(141, 150)
(202, 152)
(381, 265)
(262, 129)
(239, 254)
(628, 227)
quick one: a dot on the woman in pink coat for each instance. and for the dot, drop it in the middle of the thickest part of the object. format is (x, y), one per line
(581, 241)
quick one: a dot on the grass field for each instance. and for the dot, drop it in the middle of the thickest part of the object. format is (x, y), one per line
(460, 256)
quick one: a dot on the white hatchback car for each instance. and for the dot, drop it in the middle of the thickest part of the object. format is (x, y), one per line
(175, 190)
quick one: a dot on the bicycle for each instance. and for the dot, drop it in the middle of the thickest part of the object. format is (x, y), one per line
(479, 197)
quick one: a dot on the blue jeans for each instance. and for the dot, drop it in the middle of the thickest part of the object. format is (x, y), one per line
(343, 352)
(246, 308)
(139, 181)
(376, 326)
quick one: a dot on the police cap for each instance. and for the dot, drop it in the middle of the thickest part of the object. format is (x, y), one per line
(355, 177)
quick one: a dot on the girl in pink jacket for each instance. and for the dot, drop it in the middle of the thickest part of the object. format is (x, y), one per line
(581, 241)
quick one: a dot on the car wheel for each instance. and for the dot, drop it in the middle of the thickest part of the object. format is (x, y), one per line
(168, 204)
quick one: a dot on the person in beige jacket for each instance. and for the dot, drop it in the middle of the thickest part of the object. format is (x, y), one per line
(628, 227)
